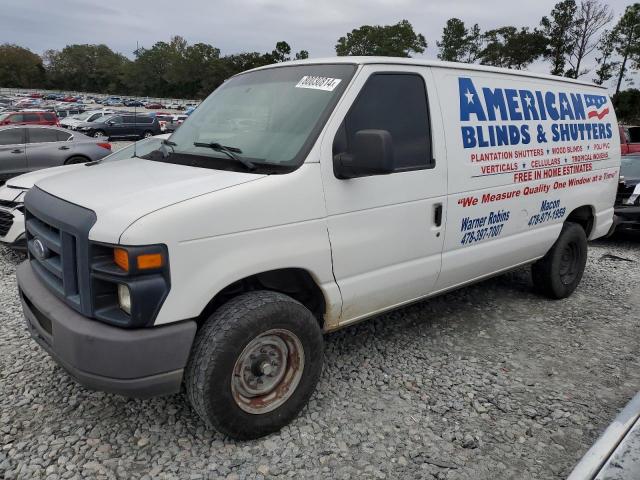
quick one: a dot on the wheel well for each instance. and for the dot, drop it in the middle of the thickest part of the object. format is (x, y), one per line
(66, 162)
(295, 282)
(583, 216)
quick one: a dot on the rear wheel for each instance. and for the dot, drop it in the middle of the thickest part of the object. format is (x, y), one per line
(99, 133)
(559, 272)
(255, 364)
(147, 134)
(75, 160)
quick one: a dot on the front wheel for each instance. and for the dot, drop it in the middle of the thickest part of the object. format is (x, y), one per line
(147, 134)
(559, 272)
(99, 134)
(255, 364)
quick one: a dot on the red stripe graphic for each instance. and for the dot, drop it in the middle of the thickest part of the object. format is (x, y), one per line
(594, 113)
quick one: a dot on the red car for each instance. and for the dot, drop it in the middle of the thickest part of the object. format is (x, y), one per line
(29, 118)
(152, 106)
(69, 99)
(629, 139)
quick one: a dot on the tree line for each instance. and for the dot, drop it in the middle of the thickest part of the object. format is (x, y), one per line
(564, 39)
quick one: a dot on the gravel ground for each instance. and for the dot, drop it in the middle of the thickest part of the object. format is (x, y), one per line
(489, 382)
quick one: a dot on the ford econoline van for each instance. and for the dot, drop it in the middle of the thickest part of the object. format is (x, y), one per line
(300, 198)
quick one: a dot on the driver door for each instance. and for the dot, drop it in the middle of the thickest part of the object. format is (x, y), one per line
(386, 231)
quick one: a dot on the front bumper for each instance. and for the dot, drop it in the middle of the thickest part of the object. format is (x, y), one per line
(139, 363)
(627, 218)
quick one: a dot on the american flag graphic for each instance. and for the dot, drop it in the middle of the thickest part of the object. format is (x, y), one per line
(596, 106)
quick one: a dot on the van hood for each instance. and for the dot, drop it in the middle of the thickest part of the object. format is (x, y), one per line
(121, 192)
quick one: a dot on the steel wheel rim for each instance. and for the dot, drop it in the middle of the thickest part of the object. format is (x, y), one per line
(569, 264)
(268, 371)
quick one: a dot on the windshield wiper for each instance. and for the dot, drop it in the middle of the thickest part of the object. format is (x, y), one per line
(230, 152)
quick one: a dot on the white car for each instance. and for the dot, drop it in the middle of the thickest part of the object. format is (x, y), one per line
(12, 193)
(303, 197)
(73, 122)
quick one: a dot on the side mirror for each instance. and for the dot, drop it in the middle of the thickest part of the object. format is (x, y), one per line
(372, 154)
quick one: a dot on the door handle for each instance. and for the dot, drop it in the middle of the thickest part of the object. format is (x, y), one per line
(17, 150)
(437, 214)
(63, 148)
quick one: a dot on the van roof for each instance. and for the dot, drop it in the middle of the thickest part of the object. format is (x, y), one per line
(427, 63)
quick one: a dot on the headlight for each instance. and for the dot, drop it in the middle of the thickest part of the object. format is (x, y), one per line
(124, 298)
(129, 283)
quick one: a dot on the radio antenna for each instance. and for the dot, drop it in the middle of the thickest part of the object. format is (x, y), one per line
(135, 110)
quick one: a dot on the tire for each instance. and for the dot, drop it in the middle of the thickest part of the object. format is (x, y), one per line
(99, 133)
(75, 160)
(224, 381)
(558, 273)
(147, 134)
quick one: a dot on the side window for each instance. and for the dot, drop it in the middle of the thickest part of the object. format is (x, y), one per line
(17, 118)
(63, 136)
(12, 136)
(42, 135)
(31, 117)
(129, 119)
(50, 117)
(116, 120)
(396, 103)
(93, 117)
(146, 120)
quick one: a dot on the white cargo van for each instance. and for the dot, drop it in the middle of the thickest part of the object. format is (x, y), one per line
(300, 198)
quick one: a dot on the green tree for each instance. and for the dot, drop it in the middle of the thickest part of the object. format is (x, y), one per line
(459, 44)
(626, 41)
(592, 16)
(606, 62)
(453, 44)
(627, 105)
(399, 40)
(20, 67)
(557, 30)
(509, 47)
(88, 68)
(475, 42)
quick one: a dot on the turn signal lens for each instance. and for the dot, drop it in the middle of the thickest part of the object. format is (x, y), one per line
(121, 257)
(149, 261)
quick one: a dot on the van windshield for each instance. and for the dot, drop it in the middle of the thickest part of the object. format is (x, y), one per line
(269, 117)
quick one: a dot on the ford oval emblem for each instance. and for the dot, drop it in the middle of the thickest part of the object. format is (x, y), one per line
(39, 250)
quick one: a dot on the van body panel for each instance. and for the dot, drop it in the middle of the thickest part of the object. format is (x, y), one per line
(219, 238)
(514, 171)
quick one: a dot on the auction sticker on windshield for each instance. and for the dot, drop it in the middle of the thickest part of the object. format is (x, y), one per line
(318, 83)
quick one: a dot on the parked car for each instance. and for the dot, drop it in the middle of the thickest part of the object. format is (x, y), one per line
(29, 118)
(627, 206)
(172, 125)
(122, 126)
(353, 187)
(153, 105)
(32, 147)
(133, 103)
(86, 117)
(12, 193)
(614, 456)
(629, 139)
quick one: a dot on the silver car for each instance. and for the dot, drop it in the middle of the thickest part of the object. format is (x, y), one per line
(25, 148)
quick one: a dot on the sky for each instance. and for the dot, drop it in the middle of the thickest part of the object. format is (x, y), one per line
(249, 25)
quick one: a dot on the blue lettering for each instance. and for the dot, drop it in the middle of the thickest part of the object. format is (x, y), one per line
(512, 103)
(495, 99)
(549, 101)
(468, 137)
(578, 106)
(469, 101)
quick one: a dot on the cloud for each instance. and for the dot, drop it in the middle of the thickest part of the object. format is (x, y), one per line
(247, 25)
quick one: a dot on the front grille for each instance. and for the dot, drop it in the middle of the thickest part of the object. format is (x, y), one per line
(58, 245)
(6, 221)
(59, 251)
